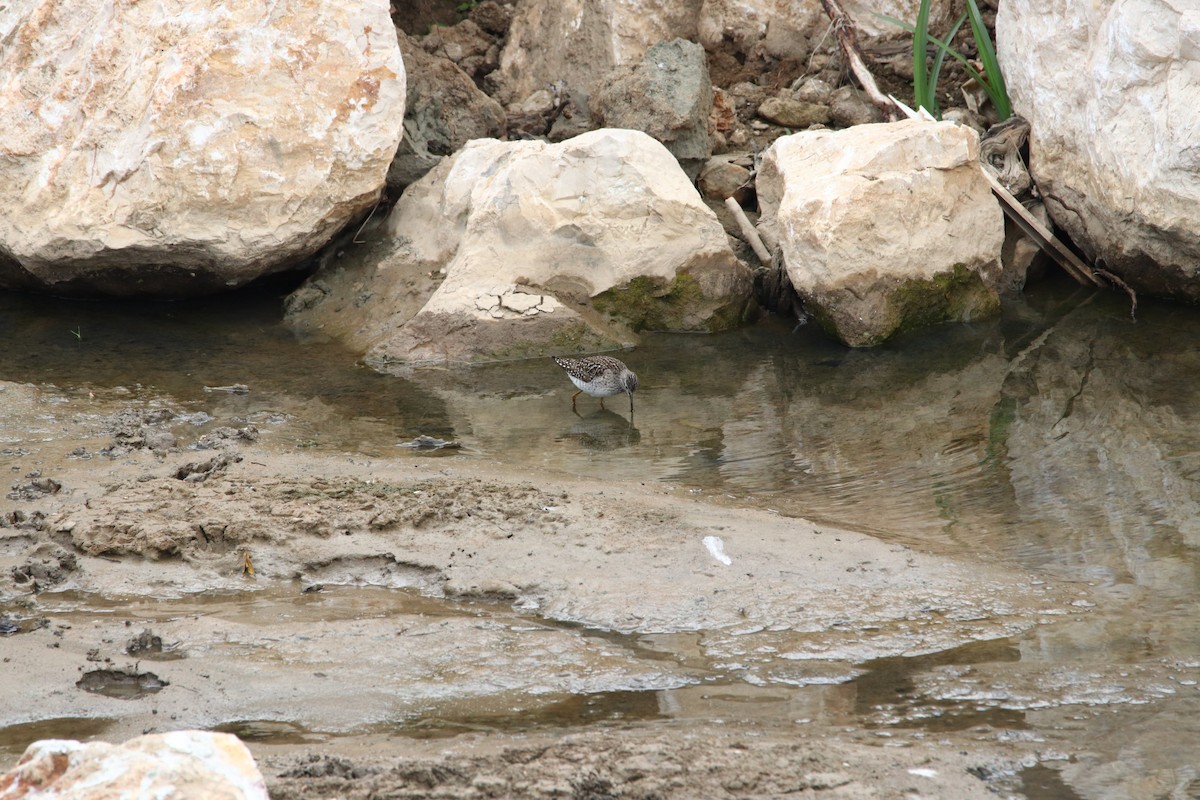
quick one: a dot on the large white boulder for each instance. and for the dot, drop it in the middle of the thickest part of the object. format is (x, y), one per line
(1110, 90)
(183, 765)
(184, 146)
(544, 248)
(884, 227)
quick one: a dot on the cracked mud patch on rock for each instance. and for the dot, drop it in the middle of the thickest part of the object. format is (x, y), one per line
(149, 645)
(200, 471)
(227, 436)
(32, 520)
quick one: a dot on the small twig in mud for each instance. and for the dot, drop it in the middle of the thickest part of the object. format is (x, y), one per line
(847, 37)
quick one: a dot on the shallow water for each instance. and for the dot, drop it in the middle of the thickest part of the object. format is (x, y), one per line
(1062, 438)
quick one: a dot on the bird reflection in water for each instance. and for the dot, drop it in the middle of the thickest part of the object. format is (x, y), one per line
(603, 430)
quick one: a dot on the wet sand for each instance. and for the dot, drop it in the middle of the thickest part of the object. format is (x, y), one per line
(335, 609)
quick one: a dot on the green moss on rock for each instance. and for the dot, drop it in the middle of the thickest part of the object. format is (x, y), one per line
(959, 295)
(679, 305)
(859, 320)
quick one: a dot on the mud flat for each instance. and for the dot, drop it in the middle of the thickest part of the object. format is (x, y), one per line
(419, 627)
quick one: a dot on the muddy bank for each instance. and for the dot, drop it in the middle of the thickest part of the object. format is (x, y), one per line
(162, 574)
(641, 762)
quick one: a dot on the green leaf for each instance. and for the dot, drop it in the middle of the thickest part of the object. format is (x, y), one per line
(936, 72)
(923, 92)
(998, 94)
(991, 65)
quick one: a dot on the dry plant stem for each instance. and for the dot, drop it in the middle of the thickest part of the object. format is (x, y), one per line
(908, 112)
(847, 36)
(1046, 240)
(755, 241)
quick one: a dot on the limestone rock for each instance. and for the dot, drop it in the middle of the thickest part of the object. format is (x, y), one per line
(748, 25)
(1110, 93)
(792, 113)
(467, 45)
(183, 147)
(849, 107)
(445, 111)
(723, 177)
(883, 227)
(578, 41)
(782, 28)
(543, 248)
(183, 765)
(668, 95)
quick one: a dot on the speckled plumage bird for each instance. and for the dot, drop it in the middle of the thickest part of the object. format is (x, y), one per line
(599, 376)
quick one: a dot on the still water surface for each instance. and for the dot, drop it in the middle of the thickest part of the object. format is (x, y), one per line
(1062, 438)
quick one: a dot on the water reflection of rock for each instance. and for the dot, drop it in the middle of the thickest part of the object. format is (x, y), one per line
(1101, 450)
(878, 441)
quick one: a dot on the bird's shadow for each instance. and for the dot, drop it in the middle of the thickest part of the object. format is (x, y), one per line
(603, 430)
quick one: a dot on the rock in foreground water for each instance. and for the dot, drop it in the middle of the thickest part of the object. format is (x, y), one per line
(182, 765)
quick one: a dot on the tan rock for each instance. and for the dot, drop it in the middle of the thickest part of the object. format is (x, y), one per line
(184, 147)
(722, 178)
(883, 227)
(775, 27)
(1111, 97)
(183, 765)
(445, 111)
(747, 24)
(849, 107)
(792, 113)
(813, 90)
(544, 248)
(667, 94)
(578, 41)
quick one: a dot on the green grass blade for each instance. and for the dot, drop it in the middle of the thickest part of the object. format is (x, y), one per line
(923, 92)
(995, 88)
(936, 72)
(970, 70)
(991, 66)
